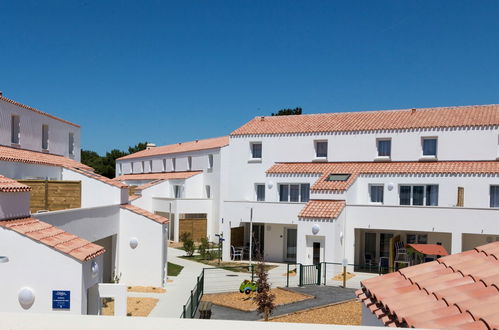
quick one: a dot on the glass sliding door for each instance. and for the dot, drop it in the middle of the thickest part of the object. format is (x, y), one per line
(290, 253)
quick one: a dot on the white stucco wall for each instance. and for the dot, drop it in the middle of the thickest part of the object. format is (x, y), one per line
(17, 170)
(31, 131)
(144, 265)
(14, 205)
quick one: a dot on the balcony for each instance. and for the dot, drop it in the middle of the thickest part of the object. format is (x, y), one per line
(264, 212)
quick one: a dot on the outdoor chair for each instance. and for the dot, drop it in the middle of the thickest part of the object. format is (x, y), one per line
(236, 253)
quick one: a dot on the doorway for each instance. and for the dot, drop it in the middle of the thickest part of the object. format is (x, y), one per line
(316, 252)
(290, 247)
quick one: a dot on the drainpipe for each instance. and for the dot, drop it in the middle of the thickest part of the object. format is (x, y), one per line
(251, 235)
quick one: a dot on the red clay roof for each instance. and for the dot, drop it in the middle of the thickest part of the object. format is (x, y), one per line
(430, 249)
(9, 185)
(356, 168)
(457, 291)
(158, 176)
(322, 209)
(475, 115)
(99, 177)
(3, 98)
(212, 143)
(55, 238)
(147, 214)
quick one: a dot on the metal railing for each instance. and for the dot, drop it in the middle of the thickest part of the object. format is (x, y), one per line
(191, 307)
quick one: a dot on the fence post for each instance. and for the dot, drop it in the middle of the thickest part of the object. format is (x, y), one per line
(184, 313)
(287, 278)
(325, 271)
(319, 266)
(192, 307)
(300, 282)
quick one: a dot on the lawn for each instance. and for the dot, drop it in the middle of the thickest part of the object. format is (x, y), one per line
(174, 269)
(228, 265)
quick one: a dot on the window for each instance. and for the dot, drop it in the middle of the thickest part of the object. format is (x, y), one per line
(150, 165)
(210, 161)
(384, 147)
(294, 192)
(208, 191)
(143, 167)
(337, 177)
(120, 168)
(256, 150)
(321, 149)
(174, 164)
(15, 129)
(419, 195)
(494, 196)
(178, 191)
(376, 193)
(164, 165)
(45, 137)
(430, 147)
(71, 143)
(260, 192)
(189, 163)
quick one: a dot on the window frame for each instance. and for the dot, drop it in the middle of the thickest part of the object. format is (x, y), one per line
(380, 140)
(252, 154)
(45, 137)
(377, 185)
(288, 190)
(257, 185)
(490, 195)
(425, 199)
(210, 162)
(189, 163)
(316, 149)
(177, 191)
(15, 127)
(428, 138)
(207, 189)
(174, 164)
(71, 143)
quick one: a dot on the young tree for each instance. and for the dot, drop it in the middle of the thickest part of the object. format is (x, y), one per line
(264, 298)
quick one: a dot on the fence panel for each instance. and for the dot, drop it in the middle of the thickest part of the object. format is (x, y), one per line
(310, 274)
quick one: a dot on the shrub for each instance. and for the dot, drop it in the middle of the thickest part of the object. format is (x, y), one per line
(264, 298)
(188, 243)
(204, 248)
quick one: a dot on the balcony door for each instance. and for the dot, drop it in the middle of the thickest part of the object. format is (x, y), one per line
(290, 247)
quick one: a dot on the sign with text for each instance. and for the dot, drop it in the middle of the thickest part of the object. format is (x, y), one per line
(61, 299)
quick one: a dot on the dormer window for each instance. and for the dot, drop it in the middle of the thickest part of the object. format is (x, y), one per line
(338, 177)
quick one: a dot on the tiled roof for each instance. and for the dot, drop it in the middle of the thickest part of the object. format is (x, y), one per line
(133, 197)
(212, 143)
(158, 176)
(476, 115)
(33, 157)
(55, 238)
(147, 214)
(322, 209)
(148, 185)
(430, 249)
(3, 98)
(459, 291)
(356, 168)
(9, 185)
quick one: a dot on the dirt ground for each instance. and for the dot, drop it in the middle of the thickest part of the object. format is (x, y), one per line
(146, 289)
(348, 313)
(339, 277)
(135, 306)
(245, 302)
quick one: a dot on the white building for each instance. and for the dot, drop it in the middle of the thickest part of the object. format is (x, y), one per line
(65, 230)
(325, 187)
(180, 181)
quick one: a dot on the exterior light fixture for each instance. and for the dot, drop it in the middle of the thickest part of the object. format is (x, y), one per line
(26, 297)
(315, 229)
(3, 259)
(134, 242)
(95, 268)
(270, 185)
(390, 186)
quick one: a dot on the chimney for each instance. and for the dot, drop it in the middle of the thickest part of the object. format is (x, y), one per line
(262, 118)
(150, 146)
(413, 110)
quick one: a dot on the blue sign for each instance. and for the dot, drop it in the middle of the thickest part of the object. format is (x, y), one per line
(61, 299)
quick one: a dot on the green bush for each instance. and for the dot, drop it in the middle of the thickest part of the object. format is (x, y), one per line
(188, 243)
(204, 249)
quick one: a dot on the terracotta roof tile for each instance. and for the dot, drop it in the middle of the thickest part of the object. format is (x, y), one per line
(99, 177)
(3, 98)
(429, 249)
(10, 185)
(476, 115)
(147, 214)
(158, 176)
(438, 294)
(358, 168)
(205, 144)
(322, 209)
(54, 237)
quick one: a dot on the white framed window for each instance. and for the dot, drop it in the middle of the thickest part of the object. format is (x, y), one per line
(494, 196)
(143, 166)
(15, 124)
(174, 164)
(120, 168)
(429, 145)
(384, 147)
(419, 195)
(320, 149)
(256, 150)
(260, 192)
(71, 143)
(210, 161)
(189, 163)
(208, 191)
(178, 191)
(164, 165)
(45, 137)
(150, 166)
(376, 193)
(294, 192)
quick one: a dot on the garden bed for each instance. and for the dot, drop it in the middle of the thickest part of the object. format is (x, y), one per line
(243, 302)
(146, 289)
(135, 306)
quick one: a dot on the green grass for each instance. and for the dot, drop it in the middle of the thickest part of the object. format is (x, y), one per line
(227, 265)
(174, 269)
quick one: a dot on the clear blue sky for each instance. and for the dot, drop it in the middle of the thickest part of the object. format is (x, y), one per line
(166, 71)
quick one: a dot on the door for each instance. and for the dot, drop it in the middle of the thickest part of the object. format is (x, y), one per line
(369, 248)
(316, 253)
(258, 237)
(290, 252)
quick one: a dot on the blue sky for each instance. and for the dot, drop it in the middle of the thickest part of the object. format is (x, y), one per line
(170, 71)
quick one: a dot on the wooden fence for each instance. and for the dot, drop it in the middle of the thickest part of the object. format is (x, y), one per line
(53, 195)
(196, 227)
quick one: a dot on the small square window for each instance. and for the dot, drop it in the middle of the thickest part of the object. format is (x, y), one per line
(256, 150)
(376, 194)
(430, 147)
(337, 177)
(494, 196)
(384, 147)
(321, 149)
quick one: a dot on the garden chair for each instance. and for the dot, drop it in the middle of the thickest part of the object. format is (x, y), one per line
(236, 253)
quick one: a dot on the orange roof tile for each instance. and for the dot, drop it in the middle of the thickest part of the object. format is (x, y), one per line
(459, 116)
(430, 249)
(158, 176)
(147, 214)
(356, 168)
(54, 237)
(451, 292)
(99, 177)
(322, 209)
(9, 185)
(212, 143)
(3, 98)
